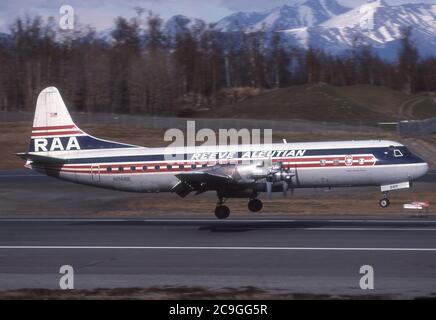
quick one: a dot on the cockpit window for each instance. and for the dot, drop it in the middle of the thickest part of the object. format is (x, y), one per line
(397, 153)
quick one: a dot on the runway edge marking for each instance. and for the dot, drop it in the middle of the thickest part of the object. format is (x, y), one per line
(212, 248)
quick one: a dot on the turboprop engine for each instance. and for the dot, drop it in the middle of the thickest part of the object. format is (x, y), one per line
(259, 172)
(279, 173)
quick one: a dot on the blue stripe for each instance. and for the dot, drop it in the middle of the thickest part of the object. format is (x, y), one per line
(379, 153)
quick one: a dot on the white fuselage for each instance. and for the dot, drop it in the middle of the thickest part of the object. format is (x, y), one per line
(315, 164)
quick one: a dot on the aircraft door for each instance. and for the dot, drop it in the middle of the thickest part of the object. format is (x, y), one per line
(95, 173)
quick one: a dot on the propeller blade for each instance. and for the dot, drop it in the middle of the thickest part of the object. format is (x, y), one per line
(269, 189)
(285, 187)
(268, 163)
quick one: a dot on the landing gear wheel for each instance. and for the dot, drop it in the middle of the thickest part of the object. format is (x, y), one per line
(384, 203)
(222, 212)
(255, 205)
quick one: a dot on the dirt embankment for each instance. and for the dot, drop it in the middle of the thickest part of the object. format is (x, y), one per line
(359, 104)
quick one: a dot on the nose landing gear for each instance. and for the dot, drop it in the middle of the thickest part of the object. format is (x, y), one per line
(384, 203)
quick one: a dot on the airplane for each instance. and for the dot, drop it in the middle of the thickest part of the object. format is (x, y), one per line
(59, 148)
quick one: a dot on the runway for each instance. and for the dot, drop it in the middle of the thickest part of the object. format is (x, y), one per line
(21, 189)
(300, 256)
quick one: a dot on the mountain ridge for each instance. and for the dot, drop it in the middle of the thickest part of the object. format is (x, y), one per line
(327, 25)
(377, 24)
(321, 24)
(301, 14)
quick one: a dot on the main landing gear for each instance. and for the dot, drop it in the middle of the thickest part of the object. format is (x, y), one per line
(223, 212)
(384, 203)
(255, 205)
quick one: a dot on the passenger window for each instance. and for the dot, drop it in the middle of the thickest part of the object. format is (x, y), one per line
(169, 167)
(132, 168)
(144, 168)
(335, 162)
(120, 168)
(181, 166)
(157, 167)
(193, 166)
(322, 162)
(109, 169)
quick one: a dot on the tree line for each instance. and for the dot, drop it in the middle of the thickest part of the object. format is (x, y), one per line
(143, 70)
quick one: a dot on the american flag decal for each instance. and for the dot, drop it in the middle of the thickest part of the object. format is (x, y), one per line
(53, 114)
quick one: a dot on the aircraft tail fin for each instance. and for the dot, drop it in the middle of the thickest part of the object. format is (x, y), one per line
(54, 130)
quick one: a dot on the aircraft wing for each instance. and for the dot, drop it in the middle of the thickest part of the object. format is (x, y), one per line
(199, 182)
(40, 159)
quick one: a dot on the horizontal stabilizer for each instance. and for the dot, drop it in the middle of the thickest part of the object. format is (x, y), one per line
(40, 159)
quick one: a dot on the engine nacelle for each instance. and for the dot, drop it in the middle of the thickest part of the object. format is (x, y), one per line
(241, 173)
(248, 173)
(254, 172)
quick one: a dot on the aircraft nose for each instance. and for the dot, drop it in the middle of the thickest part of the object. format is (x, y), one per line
(426, 167)
(421, 170)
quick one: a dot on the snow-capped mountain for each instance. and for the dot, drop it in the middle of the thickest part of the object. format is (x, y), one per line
(324, 24)
(375, 23)
(301, 14)
(179, 24)
(106, 34)
(171, 27)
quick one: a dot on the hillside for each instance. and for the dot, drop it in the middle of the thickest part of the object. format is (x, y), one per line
(353, 104)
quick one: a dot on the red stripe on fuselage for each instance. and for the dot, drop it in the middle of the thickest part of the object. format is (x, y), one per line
(164, 169)
(190, 162)
(174, 170)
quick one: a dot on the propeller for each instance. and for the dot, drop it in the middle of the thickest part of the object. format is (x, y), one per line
(278, 172)
(285, 187)
(269, 188)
